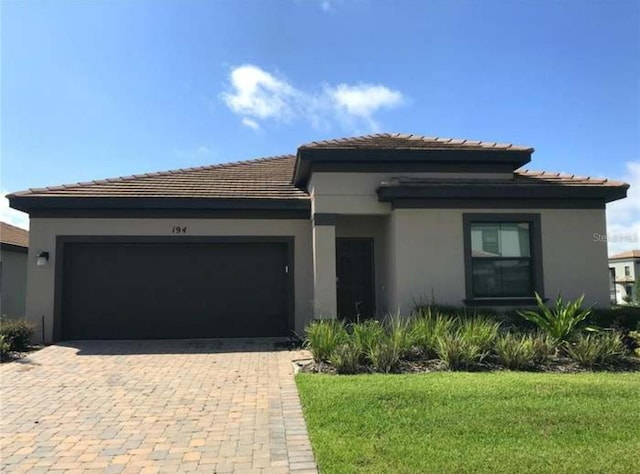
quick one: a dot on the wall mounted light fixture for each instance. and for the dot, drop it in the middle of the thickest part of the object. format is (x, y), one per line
(43, 259)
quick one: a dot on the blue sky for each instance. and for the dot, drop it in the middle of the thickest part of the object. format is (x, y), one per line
(94, 89)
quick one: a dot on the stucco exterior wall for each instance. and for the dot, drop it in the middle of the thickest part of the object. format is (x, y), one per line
(43, 233)
(355, 193)
(427, 258)
(13, 287)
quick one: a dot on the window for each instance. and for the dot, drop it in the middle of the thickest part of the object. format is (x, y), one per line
(502, 253)
(627, 270)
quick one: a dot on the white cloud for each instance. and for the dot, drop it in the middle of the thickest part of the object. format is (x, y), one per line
(258, 96)
(363, 100)
(250, 123)
(623, 217)
(325, 5)
(11, 216)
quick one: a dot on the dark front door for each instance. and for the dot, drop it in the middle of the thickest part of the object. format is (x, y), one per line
(355, 282)
(174, 290)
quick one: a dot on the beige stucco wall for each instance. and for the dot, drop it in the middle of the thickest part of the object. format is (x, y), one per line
(427, 257)
(13, 287)
(43, 233)
(355, 193)
(418, 253)
(324, 272)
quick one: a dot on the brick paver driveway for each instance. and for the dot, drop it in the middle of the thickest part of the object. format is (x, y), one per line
(153, 406)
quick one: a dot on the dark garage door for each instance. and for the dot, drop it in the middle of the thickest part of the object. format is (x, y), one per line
(174, 290)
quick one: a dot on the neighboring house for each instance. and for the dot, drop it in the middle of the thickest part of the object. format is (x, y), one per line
(14, 245)
(350, 227)
(624, 269)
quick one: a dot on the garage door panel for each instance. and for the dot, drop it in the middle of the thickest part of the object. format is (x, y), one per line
(129, 291)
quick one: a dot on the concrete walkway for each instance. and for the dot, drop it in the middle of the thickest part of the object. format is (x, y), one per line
(153, 406)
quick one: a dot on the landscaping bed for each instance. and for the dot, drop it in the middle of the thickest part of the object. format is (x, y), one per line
(457, 422)
(560, 338)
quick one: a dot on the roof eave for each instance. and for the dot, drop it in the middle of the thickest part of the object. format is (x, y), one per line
(308, 156)
(394, 192)
(30, 203)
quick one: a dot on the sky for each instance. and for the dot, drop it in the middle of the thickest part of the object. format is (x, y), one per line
(102, 88)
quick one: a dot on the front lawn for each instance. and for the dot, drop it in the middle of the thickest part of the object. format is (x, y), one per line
(474, 422)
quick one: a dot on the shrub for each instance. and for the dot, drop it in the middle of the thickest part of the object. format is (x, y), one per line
(427, 327)
(17, 333)
(543, 347)
(4, 347)
(634, 336)
(479, 330)
(619, 317)
(365, 335)
(384, 355)
(516, 351)
(459, 353)
(595, 349)
(560, 322)
(399, 332)
(323, 336)
(345, 358)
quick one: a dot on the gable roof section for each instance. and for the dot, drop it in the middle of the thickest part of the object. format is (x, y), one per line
(402, 152)
(266, 183)
(263, 178)
(12, 236)
(628, 255)
(263, 183)
(400, 141)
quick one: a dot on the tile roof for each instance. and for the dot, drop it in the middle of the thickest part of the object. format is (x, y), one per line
(271, 178)
(12, 235)
(399, 141)
(264, 178)
(626, 255)
(520, 177)
(565, 179)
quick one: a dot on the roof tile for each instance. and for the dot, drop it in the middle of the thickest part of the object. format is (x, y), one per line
(12, 235)
(271, 178)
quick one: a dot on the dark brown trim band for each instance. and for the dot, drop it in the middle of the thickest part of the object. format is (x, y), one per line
(63, 240)
(537, 276)
(493, 190)
(304, 214)
(14, 248)
(359, 159)
(28, 203)
(324, 219)
(509, 203)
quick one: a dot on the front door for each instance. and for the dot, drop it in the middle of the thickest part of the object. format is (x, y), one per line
(355, 281)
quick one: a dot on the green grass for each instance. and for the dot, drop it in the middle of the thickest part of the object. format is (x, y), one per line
(500, 422)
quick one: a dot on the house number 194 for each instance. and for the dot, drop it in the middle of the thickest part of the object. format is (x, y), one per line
(178, 230)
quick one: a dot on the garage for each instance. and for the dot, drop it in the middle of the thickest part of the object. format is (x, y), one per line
(181, 288)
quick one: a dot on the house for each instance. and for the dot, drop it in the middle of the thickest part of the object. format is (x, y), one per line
(14, 245)
(351, 227)
(624, 269)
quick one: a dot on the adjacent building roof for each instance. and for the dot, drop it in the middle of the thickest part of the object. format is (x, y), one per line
(630, 254)
(268, 182)
(13, 236)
